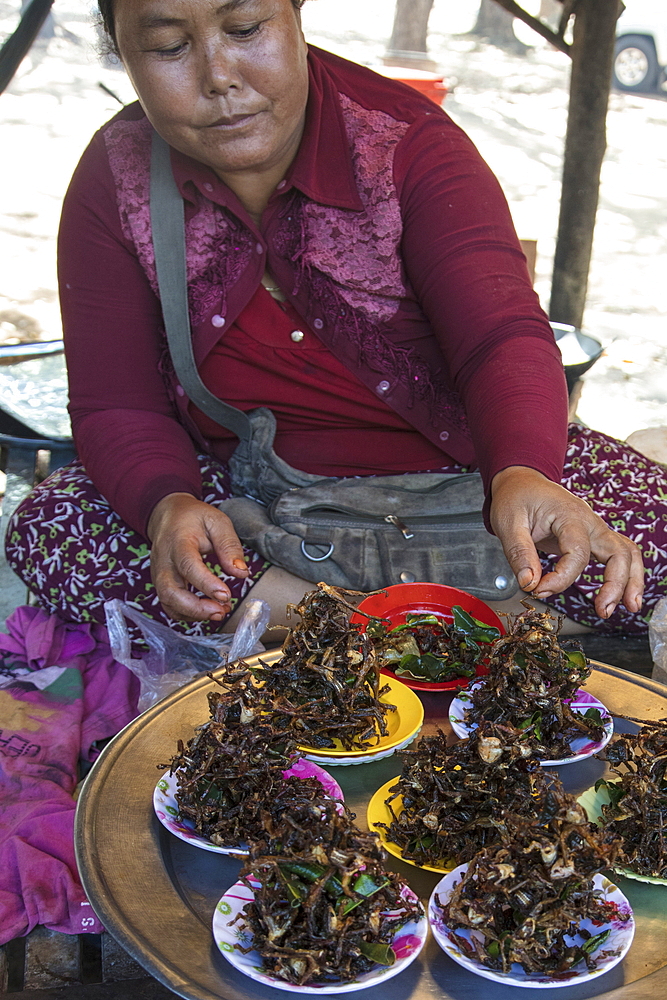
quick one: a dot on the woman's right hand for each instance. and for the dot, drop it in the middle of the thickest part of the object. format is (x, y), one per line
(182, 530)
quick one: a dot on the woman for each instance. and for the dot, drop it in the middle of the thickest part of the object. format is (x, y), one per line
(352, 265)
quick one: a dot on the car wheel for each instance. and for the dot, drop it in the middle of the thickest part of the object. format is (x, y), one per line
(636, 64)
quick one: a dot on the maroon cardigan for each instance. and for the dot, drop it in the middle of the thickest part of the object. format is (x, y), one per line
(391, 238)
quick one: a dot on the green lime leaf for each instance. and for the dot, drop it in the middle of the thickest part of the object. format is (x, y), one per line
(590, 946)
(378, 952)
(366, 886)
(576, 658)
(478, 631)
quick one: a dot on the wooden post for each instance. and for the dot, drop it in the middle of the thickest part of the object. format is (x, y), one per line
(17, 46)
(585, 144)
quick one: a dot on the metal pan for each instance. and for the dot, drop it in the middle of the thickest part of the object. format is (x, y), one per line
(156, 894)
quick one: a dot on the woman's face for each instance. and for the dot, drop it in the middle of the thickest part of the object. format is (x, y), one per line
(224, 81)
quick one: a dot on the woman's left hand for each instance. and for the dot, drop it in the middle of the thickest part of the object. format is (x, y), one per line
(529, 512)
(183, 532)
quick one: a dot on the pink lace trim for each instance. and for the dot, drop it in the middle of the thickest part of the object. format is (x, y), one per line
(218, 248)
(351, 262)
(375, 350)
(360, 251)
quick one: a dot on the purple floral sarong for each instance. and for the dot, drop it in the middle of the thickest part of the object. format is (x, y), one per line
(74, 552)
(629, 492)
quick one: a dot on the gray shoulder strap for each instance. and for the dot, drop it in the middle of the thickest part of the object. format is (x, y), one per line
(167, 223)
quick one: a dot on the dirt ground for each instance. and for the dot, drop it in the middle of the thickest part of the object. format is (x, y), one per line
(514, 108)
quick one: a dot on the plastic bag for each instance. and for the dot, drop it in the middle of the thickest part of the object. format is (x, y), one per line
(173, 659)
(657, 635)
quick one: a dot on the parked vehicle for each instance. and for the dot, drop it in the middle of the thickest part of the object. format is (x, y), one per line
(640, 61)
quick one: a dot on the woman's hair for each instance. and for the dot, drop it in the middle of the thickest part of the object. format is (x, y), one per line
(107, 24)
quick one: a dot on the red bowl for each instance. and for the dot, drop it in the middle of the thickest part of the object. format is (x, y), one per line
(395, 603)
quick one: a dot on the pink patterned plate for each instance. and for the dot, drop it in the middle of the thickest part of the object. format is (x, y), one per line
(166, 806)
(230, 929)
(581, 747)
(608, 953)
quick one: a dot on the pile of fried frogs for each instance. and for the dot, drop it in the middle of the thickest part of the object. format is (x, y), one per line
(528, 900)
(531, 682)
(324, 910)
(637, 810)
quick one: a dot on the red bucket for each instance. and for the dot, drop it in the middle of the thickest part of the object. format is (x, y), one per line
(429, 84)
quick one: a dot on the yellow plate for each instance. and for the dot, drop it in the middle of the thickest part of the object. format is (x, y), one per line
(405, 722)
(592, 802)
(378, 812)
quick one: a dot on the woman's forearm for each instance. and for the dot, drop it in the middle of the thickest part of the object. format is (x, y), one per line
(125, 426)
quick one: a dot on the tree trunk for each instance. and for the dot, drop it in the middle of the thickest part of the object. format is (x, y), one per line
(495, 25)
(585, 145)
(411, 25)
(16, 47)
(408, 37)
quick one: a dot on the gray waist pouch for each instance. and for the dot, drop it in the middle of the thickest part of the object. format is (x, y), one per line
(366, 532)
(371, 533)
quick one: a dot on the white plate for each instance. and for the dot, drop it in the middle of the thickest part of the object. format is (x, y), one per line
(166, 806)
(368, 759)
(608, 954)
(581, 747)
(407, 944)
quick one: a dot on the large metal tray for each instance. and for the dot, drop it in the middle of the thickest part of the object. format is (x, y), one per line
(156, 894)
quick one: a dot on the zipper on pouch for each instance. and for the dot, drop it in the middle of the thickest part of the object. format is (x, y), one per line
(357, 518)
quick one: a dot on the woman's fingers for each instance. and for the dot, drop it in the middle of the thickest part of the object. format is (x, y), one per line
(623, 575)
(225, 544)
(184, 530)
(513, 516)
(176, 567)
(587, 538)
(181, 604)
(520, 551)
(572, 542)
(530, 511)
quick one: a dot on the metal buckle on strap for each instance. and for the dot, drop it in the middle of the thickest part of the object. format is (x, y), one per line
(316, 558)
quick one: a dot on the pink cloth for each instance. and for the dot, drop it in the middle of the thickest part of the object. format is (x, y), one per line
(60, 691)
